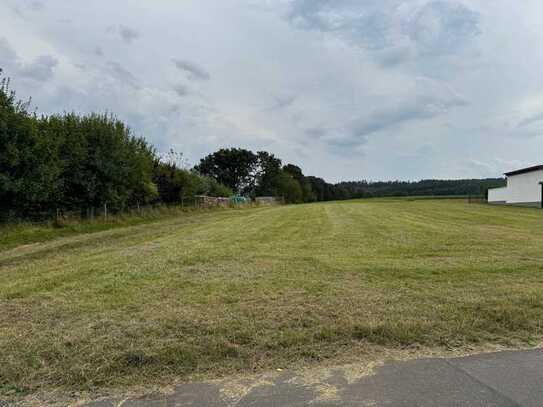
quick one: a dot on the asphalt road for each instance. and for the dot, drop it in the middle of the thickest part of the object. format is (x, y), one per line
(497, 379)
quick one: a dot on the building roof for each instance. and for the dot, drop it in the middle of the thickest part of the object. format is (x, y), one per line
(525, 170)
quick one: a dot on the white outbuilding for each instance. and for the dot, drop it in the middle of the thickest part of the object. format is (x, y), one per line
(524, 188)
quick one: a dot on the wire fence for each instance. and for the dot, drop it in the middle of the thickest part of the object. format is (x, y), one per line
(107, 212)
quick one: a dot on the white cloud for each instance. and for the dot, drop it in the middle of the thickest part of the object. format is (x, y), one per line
(345, 88)
(122, 75)
(128, 34)
(194, 71)
(40, 69)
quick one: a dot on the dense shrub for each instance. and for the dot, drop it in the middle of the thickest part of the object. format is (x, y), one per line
(74, 162)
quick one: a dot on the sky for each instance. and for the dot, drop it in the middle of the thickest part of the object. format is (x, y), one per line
(346, 89)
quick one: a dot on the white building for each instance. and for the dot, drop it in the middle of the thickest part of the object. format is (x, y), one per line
(524, 187)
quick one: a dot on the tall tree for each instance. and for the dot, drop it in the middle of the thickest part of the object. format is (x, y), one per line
(233, 167)
(289, 188)
(296, 172)
(29, 168)
(268, 169)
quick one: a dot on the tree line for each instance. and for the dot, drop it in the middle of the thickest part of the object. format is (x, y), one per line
(428, 187)
(261, 174)
(75, 162)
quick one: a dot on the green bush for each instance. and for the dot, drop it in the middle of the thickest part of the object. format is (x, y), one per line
(71, 162)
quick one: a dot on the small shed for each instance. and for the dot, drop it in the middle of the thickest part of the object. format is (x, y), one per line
(239, 200)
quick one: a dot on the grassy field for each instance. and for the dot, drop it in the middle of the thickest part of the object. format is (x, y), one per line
(245, 290)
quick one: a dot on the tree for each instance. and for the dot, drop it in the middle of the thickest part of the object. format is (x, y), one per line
(68, 161)
(307, 191)
(29, 168)
(175, 184)
(295, 171)
(268, 169)
(319, 188)
(101, 161)
(289, 188)
(234, 168)
(170, 182)
(209, 186)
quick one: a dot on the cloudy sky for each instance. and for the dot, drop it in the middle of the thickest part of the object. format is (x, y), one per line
(348, 89)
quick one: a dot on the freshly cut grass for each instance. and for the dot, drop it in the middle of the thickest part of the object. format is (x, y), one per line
(18, 233)
(242, 290)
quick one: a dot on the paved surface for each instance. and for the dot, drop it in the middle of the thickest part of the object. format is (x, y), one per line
(497, 379)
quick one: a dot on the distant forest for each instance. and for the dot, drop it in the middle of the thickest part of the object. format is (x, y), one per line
(469, 187)
(72, 162)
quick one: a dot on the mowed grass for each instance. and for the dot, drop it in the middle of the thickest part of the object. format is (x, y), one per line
(244, 290)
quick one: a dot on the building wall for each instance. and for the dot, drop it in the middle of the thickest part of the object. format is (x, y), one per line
(497, 195)
(522, 189)
(525, 188)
